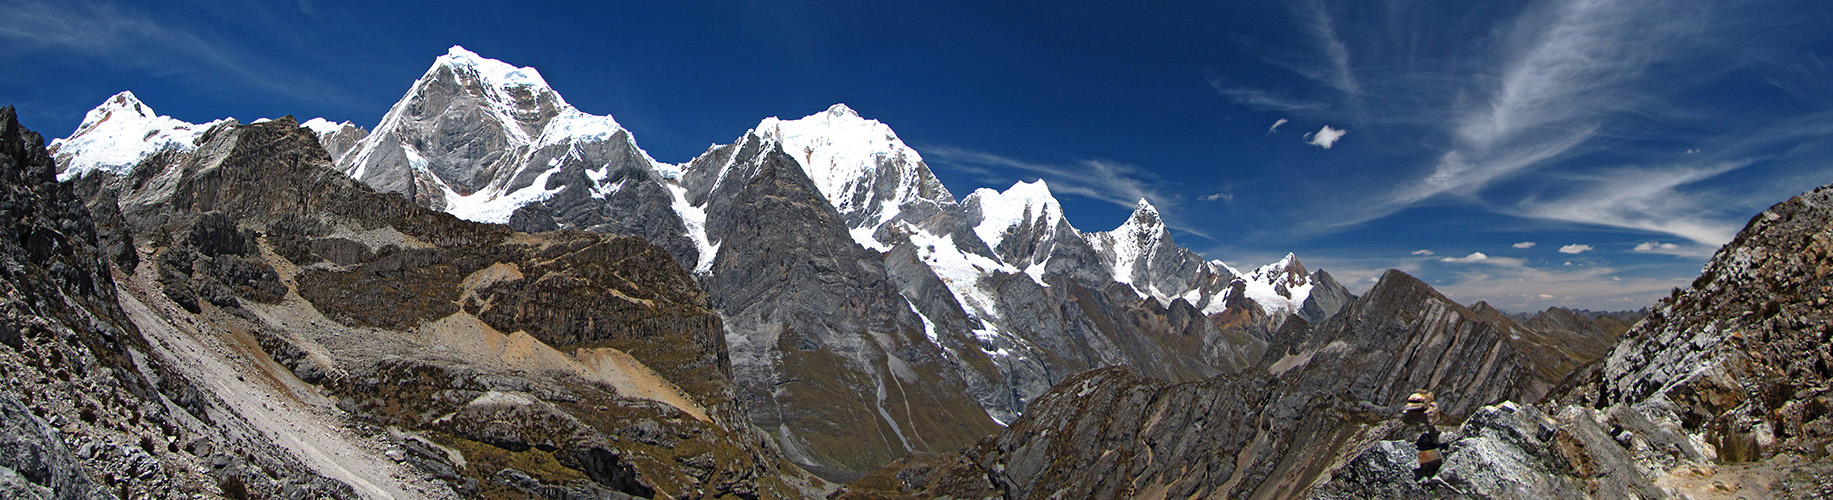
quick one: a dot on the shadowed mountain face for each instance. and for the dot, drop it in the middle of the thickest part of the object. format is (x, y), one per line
(552, 364)
(822, 342)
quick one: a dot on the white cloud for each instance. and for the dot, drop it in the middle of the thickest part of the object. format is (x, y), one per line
(1649, 246)
(1275, 127)
(1467, 259)
(1575, 249)
(1422, 251)
(1524, 244)
(1217, 196)
(1325, 137)
(1524, 287)
(1681, 250)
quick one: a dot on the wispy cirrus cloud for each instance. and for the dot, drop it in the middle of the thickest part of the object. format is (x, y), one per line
(78, 30)
(1570, 69)
(1335, 70)
(1646, 199)
(1265, 100)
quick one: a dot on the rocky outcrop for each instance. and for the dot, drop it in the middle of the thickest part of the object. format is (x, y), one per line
(56, 314)
(1501, 451)
(1742, 355)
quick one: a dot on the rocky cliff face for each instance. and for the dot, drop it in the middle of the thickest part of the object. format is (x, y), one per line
(829, 356)
(485, 361)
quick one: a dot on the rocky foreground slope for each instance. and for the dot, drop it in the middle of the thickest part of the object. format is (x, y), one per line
(89, 406)
(1721, 392)
(273, 328)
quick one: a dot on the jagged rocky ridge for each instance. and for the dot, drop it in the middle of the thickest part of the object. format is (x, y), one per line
(1267, 432)
(978, 305)
(1721, 392)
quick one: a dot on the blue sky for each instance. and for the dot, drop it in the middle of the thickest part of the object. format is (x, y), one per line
(1587, 153)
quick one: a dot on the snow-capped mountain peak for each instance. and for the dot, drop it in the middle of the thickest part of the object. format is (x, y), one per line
(840, 109)
(858, 164)
(497, 75)
(1287, 270)
(125, 104)
(118, 134)
(1024, 204)
(1145, 215)
(837, 147)
(428, 145)
(1280, 287)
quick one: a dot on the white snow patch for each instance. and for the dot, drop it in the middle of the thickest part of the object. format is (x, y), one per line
(960, 271)
(694, 218)
(929, 327)
(489, 207)
(323, 127)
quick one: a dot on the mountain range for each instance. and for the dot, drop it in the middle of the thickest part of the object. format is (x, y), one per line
(944, 315)
(494, 294)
